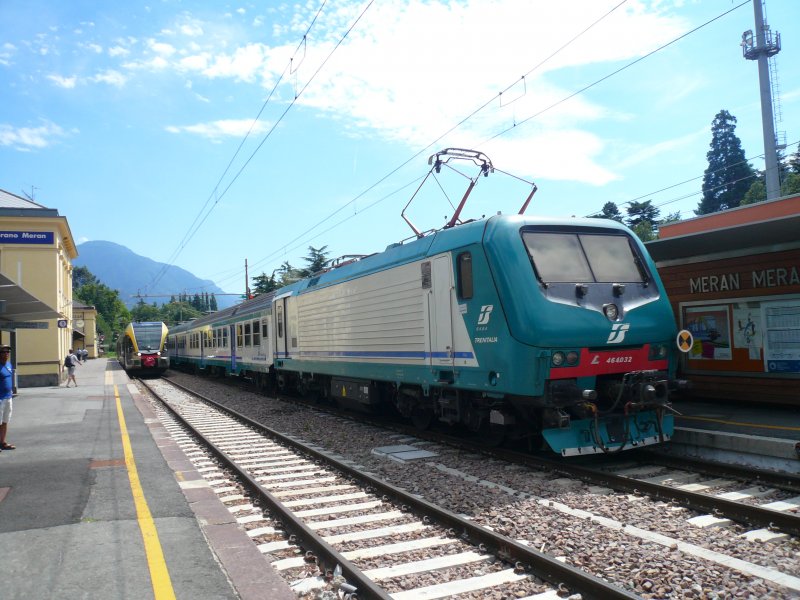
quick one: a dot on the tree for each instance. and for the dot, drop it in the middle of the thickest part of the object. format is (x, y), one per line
(316, 260)
(791, 185)
(793, 163)
(610, 211)
(112, 314)
(756, 193)
(145, 312)
(212, 304)
(81, 276)
(644, 231)
(264, 283)
(288, 274)
(729, 175)
(639, 212)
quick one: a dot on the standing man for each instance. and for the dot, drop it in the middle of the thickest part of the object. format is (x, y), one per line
(6, 393)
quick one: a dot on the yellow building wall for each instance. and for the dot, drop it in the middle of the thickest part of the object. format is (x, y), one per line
(44, 271)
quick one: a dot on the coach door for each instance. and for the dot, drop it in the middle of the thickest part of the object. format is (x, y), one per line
(442, 351)
(279, 328)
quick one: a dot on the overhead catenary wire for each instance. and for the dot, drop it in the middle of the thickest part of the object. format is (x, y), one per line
(516, 125)
(192, 232)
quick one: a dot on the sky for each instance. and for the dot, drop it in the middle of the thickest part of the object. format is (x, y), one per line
(207, 134)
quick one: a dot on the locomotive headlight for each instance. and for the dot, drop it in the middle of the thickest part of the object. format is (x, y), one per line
(611, 311)
(138, 354)
(572, 358)
(558, 359)
(658, 352)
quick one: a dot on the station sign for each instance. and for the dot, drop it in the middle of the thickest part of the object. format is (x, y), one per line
(27, 237)
(13, 325)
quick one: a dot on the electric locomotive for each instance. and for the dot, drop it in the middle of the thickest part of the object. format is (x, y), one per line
(141, 348)
(558, 331)
(554, 331)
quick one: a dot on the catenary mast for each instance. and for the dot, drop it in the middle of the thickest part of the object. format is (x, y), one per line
(761, 49)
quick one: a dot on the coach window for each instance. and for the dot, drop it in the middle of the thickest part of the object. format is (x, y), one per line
(465, 275)
(256, 334)
(280, 321)
(239, 336)
(264, 334)
(248, 338)
(225, 337)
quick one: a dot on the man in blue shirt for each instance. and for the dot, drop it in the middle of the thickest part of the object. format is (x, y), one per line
(6, 393)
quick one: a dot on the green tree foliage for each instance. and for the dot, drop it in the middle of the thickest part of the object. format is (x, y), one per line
(793, 162)
(756, 193)
(178, 312)
(791, 185)
(610, 211)
(288, 274)
(644, 230)
(316, 261)
(729, 175)
(81, 276)
(264, 283)
(145, 312)
(112, 314)
(639, 212)
(212, 303)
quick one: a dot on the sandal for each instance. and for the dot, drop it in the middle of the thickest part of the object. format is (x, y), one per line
(5, 446)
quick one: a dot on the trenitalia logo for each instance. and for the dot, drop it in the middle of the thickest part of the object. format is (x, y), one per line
(486, 313)
(617, 333)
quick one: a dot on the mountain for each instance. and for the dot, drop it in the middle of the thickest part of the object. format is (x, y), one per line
(121, 269)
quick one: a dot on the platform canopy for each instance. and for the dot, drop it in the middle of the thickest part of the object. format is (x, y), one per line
(18, 305)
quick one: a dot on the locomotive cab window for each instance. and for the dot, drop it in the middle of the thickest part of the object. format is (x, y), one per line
(568, 257)
(464, 262)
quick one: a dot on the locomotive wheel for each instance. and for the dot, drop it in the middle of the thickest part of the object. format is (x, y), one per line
(422, 418)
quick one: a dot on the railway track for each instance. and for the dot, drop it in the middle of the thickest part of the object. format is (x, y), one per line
(580, 520)
(331, 523)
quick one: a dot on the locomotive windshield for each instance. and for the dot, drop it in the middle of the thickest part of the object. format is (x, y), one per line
(148, 335)
(567, 257)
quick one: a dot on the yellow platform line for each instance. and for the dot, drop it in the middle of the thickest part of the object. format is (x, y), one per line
(159, 575)
(762, 426)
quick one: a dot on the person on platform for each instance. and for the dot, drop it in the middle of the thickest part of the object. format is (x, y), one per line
(6, 395)
(70, 362)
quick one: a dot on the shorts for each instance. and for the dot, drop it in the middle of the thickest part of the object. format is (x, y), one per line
(70, 370)
(5, 410)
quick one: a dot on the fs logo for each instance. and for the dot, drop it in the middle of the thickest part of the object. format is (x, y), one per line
(617, 333)
(486, 313)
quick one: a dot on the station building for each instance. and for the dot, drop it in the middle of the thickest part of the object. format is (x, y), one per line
(84, 328)
(733, 278)
(36, 305)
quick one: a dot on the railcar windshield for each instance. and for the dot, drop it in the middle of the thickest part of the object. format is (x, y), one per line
(561, 257)
(148, 335)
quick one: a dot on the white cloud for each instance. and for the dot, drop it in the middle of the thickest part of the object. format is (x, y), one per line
(118, 51)
(216, 130)
(64, 82)
(161, 48)
(29, 138)
(110, 77)
(244, 64)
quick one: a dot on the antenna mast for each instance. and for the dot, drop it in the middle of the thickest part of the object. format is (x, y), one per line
(762, 49)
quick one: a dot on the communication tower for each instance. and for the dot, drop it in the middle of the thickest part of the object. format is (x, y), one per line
(762, 47)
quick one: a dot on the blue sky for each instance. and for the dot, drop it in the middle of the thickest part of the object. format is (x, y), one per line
(125, 116)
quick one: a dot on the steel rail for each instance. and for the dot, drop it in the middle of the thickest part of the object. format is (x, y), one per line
(784, 481)
(541, 565)
(704, 503)
(306, 537)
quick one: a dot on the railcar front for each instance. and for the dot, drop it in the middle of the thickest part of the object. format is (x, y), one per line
(142, 348)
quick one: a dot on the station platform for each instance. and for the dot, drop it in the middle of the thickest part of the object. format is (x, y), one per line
(97, 501)
(762, 435)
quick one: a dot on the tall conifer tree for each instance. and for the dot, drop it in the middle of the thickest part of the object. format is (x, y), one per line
(729, 175)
